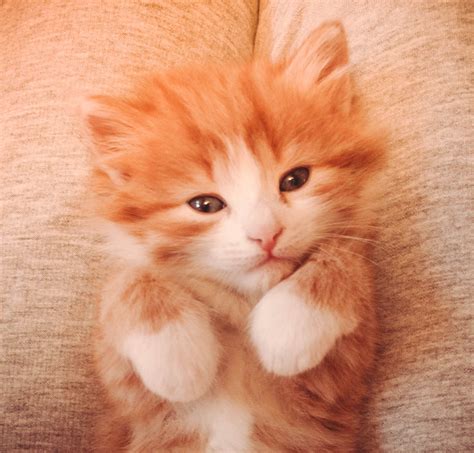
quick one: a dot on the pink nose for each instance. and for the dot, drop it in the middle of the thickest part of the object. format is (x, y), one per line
(267, 239)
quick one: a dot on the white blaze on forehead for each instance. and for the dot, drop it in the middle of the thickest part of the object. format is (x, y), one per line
(239, 179)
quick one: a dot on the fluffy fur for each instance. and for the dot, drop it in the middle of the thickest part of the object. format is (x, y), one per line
(205, 341)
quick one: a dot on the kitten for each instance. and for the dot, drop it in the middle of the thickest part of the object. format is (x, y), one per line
(236, 199)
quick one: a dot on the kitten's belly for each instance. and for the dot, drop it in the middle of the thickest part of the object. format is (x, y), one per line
(225, 417)
(224, 423)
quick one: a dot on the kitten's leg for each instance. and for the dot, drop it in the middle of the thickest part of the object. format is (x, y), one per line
(299, 320)
(167, 336)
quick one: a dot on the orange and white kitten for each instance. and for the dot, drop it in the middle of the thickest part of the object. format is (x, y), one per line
(236, 200)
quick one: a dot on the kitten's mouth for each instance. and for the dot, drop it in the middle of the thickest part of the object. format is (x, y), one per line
(268, 260)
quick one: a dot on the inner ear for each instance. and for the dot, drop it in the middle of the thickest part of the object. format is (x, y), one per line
(110, 130)
(323, 51)
(114, 169)
(108, 122)
(337, 89)
(321, 63)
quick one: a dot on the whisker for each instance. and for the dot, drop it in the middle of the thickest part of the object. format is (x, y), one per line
(359, 255)
(334, 257)
(332, 247)
(355, 225)
(359, 239)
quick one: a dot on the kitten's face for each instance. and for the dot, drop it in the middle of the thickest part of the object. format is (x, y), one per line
(259, 218)
(235, 174)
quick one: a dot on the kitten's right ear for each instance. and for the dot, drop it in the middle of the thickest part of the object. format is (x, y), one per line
(109, 131)
(322, 61)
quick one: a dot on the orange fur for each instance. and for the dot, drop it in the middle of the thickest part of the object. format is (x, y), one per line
(184, 133)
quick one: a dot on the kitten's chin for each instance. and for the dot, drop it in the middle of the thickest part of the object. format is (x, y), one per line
(258, 280)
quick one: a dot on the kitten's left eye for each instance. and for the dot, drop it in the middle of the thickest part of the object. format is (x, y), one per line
(294, 179)
(207, 204)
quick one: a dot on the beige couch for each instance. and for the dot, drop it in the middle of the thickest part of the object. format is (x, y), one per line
(413, 64)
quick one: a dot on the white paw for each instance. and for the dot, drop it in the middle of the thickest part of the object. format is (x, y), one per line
(290, 335)
(179, 362)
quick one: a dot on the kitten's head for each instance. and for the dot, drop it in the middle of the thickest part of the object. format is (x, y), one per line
(234, 172)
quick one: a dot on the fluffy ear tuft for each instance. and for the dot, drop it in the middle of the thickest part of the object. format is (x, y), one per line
(109, 129)
(322, 62)
(337, 89)
(106, 121)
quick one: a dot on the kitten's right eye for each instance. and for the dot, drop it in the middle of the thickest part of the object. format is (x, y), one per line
(207, 203)
(294, 179)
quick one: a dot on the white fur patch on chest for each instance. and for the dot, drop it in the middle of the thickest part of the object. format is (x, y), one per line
(226, 424)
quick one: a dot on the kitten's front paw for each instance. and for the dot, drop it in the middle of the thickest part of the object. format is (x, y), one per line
(290, 335)
(179, 362)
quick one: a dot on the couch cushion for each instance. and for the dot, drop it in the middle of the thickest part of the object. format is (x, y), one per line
(413, 64)
(50, 271)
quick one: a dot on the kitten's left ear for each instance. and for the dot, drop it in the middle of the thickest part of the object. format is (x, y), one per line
(322, 62)
(110, 130)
